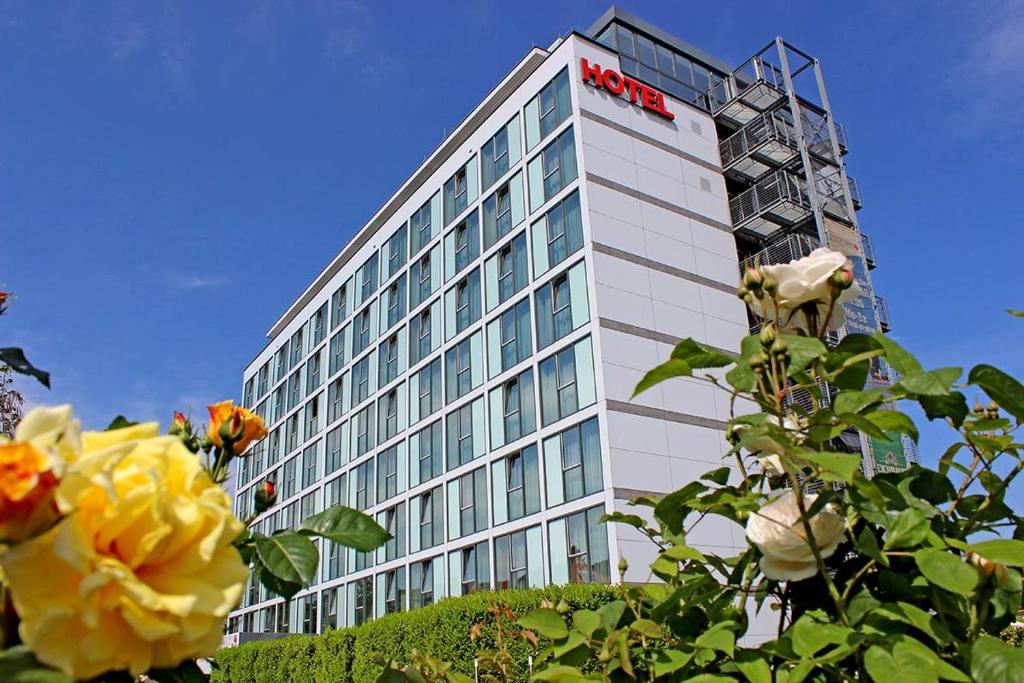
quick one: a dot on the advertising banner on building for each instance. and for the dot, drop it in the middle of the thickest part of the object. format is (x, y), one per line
(843, 238)
(887, 455)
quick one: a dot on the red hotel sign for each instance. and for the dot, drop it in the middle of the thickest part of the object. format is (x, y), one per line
(617, 84)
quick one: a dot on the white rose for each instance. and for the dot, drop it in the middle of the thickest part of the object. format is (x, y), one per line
(779, 534)
(805, 283)
(767, 450)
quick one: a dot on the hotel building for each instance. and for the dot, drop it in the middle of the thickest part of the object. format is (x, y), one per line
(463, 369)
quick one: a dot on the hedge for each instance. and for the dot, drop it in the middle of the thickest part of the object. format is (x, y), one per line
(347, 655)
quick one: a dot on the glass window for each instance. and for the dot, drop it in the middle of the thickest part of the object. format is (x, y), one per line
(364, 429)
(396, 251)
(313, 373)
(522, 483)
(512, 561)
(555, 317)
(361, 380)
(394, 587)
(294, 388)
(494, 157)
(420, 228)
(464, 299)
(362, 333)
(329, 609)
(393, 520)
(396, 302)
(564, 230)
(429, 395)
(554, 103)
(428, 460)
(421, 584)
(559, 386)
(337, 352)
(476, 573)
(460, 434)
(389, 359)
(363, 485)
(459, 369)
(298, 347)
(586, 541)
(420, 344)
(335, 450)
(366, 279)
(580, 448)
(497, 215)
(514, 337)
(339, 306)
(388, 415)
(363, 600)
(472, 501)
(456, 193)
(421, 284)
(557, 165)
(431, 518)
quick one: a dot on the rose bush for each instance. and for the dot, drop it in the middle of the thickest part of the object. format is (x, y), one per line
(124, 557)
(843, 577)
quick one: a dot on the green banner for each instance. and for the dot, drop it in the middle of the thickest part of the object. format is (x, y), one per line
(888, 454)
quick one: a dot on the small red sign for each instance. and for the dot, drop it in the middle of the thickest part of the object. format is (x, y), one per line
(617, 84)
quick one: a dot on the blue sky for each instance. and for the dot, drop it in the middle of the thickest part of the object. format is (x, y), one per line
(172, 175)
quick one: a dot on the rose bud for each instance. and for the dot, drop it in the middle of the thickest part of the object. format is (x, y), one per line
(265, 496)
(842, 279)
(771, 285)
(179, 425)
(768, 335)
(753, 279)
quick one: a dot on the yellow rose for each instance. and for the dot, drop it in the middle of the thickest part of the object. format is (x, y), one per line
(141, 573)
(235, 424)
(45, 441)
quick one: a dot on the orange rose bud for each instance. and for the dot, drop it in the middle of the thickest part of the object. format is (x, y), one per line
(234, 426)
(179, 425)
(265, 496)
(27, 485)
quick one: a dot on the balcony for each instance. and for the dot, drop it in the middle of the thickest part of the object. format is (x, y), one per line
(757, 86)
(780, 200)
(766, 142)
(868, 247)
(882, 311)
(789, 248)
(844, 147)
(854, 193)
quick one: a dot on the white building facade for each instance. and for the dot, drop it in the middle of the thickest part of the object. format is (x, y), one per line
(463, 369)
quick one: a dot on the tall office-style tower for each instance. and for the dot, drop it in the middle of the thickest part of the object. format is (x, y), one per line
(463, 368)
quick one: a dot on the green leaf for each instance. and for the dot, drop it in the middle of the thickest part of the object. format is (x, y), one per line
(120, 422)
(546, 622)
(667, 370)
(573, 641)
(841, 465)
(1016, 314)
(922, 383)
(900, 359)
(752, 665)
(683, 552)
(1002, 550)
(952, 405)
(718, 637)
(348, 527)
(909, 528)
(993, 661)
(802, 352)
(647, 628)
(15, 358)
(186, 672)
(916, 617)
(611, 613)
(673, 508)
(856, 401)
(894, 421)
(586, 621)
(635, 521)
(277, 586)
(289, 556)
(667, 661)
(558, 674)
(19, 665)
(699, 355)
(1000, 387)
(946, 570)
(741, 377)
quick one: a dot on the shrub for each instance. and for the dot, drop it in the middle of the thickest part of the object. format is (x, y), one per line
(349, 655)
